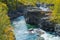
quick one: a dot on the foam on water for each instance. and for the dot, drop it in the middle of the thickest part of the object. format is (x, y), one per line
(48, 36)
(21, 33)
(20, 28)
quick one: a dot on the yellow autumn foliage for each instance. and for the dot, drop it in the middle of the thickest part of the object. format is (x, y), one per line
(26, 2)
(5, 33)
(9, 33)
(56, 11)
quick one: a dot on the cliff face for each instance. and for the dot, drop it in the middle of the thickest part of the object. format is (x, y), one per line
(16, 13)
(33, 18)
(36, 18)
(40, 18)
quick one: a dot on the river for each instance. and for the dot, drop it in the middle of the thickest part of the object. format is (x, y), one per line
(21, 31)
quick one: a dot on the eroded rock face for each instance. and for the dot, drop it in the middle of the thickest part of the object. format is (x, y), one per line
(38, 17)
(13, 14)
(33, 17)
(57, 29)
(47, 26)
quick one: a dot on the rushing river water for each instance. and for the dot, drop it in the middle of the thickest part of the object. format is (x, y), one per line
(48, 36)
(21, 31)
